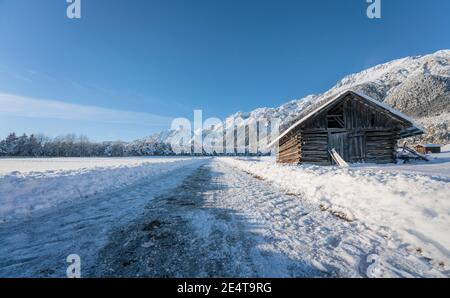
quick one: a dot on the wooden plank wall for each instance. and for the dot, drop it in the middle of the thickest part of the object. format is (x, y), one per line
(357, 151)
(314, 147)
(381, 146)
(289, 149)
(360, 115)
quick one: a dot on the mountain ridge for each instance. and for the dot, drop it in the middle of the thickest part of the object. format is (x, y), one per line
(418, 86)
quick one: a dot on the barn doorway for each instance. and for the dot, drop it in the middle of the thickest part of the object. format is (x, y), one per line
(350, 146)
(357, 147)
(339, 142)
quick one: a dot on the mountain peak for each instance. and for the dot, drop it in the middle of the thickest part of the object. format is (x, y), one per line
(418, 86)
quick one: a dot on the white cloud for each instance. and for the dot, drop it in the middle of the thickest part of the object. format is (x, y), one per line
(20, 106)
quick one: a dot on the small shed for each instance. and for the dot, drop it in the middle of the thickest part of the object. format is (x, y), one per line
(428, 148)
(358, 127)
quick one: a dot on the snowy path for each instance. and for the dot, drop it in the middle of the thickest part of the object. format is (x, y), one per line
(38, 245)
(208, 220)
(223, 222)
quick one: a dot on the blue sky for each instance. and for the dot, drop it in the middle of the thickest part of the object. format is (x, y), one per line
(151, 61)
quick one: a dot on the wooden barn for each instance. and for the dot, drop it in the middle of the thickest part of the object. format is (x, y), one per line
(359, 128)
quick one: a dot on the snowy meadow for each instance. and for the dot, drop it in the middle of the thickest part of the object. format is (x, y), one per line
(28, 185)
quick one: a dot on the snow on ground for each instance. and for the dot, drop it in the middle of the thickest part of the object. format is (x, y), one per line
(414, 207)
(225, 217)
(438, 166)
(27, 185)
(55, 165)
(38, 245)
(223, 222)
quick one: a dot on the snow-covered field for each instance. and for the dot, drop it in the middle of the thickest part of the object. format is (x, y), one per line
(233, 217)
(412, 202)
(55, 165)
(28, 185)
(438, 166)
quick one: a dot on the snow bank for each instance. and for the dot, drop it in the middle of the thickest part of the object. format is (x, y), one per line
(416, 208)
(22, 192)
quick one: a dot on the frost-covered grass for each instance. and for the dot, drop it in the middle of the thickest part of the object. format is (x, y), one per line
(414, 206)
(27, 185)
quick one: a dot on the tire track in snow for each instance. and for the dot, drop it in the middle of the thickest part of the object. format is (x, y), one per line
(222, 222)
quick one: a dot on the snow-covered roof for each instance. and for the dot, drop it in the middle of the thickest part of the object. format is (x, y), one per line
(413, 130)
(431, 145)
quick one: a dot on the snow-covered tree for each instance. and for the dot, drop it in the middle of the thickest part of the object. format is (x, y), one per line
(11, 144)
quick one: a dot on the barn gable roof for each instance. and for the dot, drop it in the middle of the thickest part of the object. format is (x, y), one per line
(310, 112)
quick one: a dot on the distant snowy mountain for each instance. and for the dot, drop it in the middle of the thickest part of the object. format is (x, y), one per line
(418, 86)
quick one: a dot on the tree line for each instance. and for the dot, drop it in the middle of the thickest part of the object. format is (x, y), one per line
(72, 145)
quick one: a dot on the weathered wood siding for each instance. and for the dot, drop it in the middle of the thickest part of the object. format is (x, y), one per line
(314, 147)
(381, 146)
(358, 130)
(359, 115)
(289, 149)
